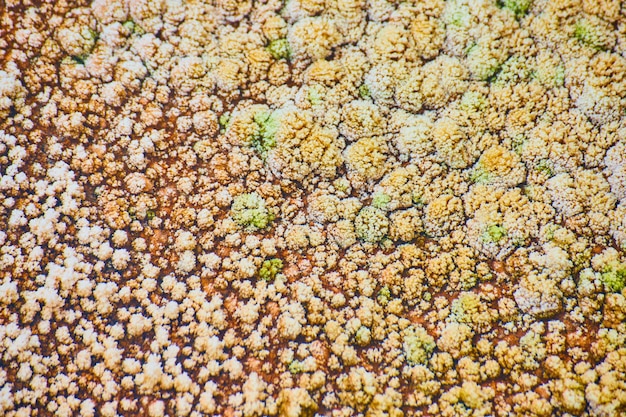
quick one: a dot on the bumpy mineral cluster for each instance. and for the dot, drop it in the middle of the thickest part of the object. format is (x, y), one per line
(312, 207)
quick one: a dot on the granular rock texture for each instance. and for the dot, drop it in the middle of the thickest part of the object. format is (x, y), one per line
(312, 207)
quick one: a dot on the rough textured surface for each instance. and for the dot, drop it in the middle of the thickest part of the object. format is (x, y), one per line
(312, 207)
